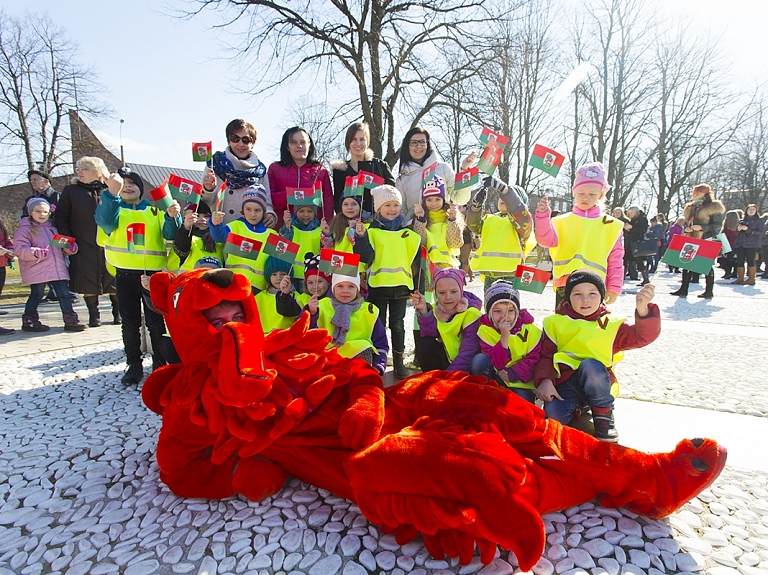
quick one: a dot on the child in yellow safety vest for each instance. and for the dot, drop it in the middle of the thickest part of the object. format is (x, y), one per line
(578, 346)
(392, 253)
(449, 329)
(304, 229)
(585, 237)
(280, 274)
(193, 241)
(352, 323)
(509, 341)
(339, 235)
(290, 303)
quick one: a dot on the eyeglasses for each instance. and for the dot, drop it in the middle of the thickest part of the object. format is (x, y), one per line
(234, 139)
(418, 143)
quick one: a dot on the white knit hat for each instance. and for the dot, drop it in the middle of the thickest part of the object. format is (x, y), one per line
(339, 278)
(385, 193)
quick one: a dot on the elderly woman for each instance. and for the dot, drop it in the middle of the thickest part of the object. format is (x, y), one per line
(749, 234)
(74, 216)
(704, 219)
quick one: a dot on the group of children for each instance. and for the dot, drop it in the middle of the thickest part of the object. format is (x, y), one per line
(567, 365)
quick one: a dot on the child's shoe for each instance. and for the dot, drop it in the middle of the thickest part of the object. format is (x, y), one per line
(605, 428)
(32, 323)
(6, 331)
(72, 323)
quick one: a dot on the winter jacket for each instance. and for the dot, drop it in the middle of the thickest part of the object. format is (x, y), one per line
(500, 357)
(637, 234)
(708, 215)
(7, 243)
(282, 177)
(49, 195)
(39, 262)
(674, 230)
(750, 238)
(409, 184)
(341, 170)
(107, 215)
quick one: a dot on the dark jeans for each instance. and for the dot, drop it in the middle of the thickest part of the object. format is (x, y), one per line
(2, 279)
(431, 354)
(642, 266)
(481, 365)
(745, 257)
(130, 300)
(396, 319)
(37, 291)
(589, 386)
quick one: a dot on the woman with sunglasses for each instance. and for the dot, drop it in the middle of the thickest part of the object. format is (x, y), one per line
(240, 167)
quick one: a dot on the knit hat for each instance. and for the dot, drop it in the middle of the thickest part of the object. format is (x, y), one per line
(126, 172)
(458, 275)
(591, 175)
(500, 291)
(40, 173)
(584, 276)
(256, 194)
(385, 193)
(208, 262)
(339, 278)
(32, 202)
(434, 187)
(312, 267)
(274, 265)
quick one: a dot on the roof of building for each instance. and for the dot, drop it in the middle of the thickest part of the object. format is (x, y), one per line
(153, 176)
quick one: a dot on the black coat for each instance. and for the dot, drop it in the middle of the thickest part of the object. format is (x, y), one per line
(339, 176)
(74, 217)
(751, 237)
(637, 234)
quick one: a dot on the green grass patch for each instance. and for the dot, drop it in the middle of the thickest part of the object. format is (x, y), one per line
(14, 291)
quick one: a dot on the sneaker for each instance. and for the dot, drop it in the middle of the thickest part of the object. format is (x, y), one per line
(605, 428)
(3, 312)
(6, 331)
(133, 374)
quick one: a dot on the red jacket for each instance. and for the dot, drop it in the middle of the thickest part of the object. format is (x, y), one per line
(282, 177)
(644, 331)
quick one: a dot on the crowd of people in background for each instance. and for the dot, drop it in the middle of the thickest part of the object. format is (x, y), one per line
(120, 241)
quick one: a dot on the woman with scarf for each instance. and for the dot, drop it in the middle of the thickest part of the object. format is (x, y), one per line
(240, 167)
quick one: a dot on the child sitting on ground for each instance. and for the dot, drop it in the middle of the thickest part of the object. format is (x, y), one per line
(352, 323)
(40, 263)
(304, 229)
(509, 341)
(578, 346)
(291, 304)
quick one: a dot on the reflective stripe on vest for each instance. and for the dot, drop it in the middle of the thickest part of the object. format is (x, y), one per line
(583, 242)
(308, 242)
(500, 251)
(437, 246)
(361, 325)
(252, 269)
(270, 319)
(519, 345)
(579, 339)
(196, 253)
(152, 255)
(451, 333)
(394, 254)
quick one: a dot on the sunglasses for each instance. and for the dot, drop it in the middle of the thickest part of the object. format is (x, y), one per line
(234, 139)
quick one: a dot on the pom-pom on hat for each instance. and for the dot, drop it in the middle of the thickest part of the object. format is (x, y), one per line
(274, 265)
(385, 193)
(32, 202)
(584, 276)
(591, 175)
(312, 267)
(126, 172)
(500, 291)
(339, 278)
(256, 194)
(434, 188)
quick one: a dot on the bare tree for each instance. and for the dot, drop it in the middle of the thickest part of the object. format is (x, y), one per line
(324, 126)
(40, 80)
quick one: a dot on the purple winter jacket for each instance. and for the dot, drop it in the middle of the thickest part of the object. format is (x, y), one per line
(470, 342)
(38, 261)
(500, 357)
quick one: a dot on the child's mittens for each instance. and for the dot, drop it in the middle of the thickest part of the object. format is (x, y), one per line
(361, 423)
(40, 253)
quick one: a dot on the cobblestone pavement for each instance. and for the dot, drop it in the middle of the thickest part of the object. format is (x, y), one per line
(80, 490)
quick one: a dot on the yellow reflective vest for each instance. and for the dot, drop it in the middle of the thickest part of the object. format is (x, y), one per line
(394, 254)
(579, 339)
(437, 246)
(152, 256)
(361, 324)
(583, 243)
(308, 242)
(519, 344)
(252, 269)
(270, 319)
(344, 245)
(196, 253)
(451, 331)
(500, 251)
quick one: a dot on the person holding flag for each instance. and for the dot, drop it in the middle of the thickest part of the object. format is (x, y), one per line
(316, 283)
(339, 235)
(40, 251)
(302, 227)
(193, 241)
(299, 168)
(135, 246)
(704, 217)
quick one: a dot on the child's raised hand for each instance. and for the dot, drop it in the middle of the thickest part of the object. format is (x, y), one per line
(189, 220)
(543, 205)
(114, 183)
(468, 162)
(173, 210)
(418, 211)
(324, 227)
(287, 219)
(452, 212)
(216, 218)
(209, 180)
(643, 298)
(546, 391)
(359, 229)
(285, 285)
(419, 303)
(610, 297)
(312, 305)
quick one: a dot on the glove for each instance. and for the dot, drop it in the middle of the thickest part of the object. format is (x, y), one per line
(494, 184)
(479, 199)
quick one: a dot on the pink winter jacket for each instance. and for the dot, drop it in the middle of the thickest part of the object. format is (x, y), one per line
(282, 177)
(546, 237)
(38, 261)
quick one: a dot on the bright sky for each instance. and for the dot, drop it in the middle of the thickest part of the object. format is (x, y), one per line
(165, 77)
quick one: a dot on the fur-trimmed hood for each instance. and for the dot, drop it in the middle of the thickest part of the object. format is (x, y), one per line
(342, 164)
(704, 214)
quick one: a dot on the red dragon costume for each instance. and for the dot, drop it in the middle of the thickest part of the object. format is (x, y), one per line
(449, 456)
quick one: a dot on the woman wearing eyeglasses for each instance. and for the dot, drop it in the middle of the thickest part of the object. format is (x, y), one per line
(240, 167)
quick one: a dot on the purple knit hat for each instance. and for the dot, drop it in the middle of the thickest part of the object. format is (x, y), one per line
(458, 275)
(434, 188)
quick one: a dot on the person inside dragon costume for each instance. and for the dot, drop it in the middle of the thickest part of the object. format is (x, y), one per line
(449, 456)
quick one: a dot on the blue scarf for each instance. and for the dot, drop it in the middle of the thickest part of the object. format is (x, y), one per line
(390, 225)
(313, 224)
(236, 179)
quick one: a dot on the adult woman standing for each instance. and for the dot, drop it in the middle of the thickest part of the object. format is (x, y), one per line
(636, 230)
(361, 158)
(704, 219)
(298, 168)
(749, 234)
(732, 219)
(74, 217)
(240, 167)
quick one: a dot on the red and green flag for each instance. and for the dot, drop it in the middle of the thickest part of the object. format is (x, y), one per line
(202, 151)
(546, 159)
(491, 157)
(342, 263)
(427, 174)
(281, 248)
(692, 254)
(242, 246)
(63, 242)
(161, 197)
(304, 197)
(466, 178)
(221, 193)
(135, 235)
(487, 135)
(184, 190)
(351, 188)
(369, 180)
(426, 266)
(531, 279)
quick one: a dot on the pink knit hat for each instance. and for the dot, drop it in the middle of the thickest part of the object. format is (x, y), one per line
(591, 175)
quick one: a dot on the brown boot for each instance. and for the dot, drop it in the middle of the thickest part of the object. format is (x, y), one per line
(751, 277)
(739, 277)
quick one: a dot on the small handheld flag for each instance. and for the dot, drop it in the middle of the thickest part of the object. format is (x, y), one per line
(546, 159)
(135, 236)
(221, 193)
(466, 178)
(185, 190)
(491, 157)
(343, 263)
(241, 246)
(202, 151)
(691, 254)
(161, 197)
(487, 135)
(531, 279)
(427, 174)
(303, 196)
(351, 189)
(281, 248)
(369, 180)
(63, 242)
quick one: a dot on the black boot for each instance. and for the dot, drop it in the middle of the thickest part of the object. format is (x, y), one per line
(133, 374)
(398, 366)
(683, 291)
(92, 303)
(116, 320)
(710, 284)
